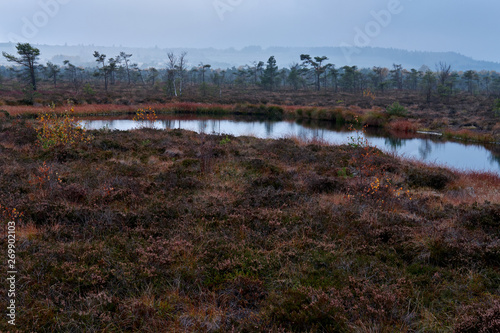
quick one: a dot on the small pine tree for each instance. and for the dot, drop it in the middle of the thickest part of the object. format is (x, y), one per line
(268, 79)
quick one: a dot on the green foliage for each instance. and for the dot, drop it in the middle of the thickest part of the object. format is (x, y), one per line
(225, 140)
(30, 95)
(397, 110)
(343, 172)
(268, 79)
(88, 90)
(444, 91)
(60, 130)
(28, 58)
(358, 140)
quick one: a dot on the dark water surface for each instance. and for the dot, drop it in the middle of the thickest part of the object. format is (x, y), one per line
(427, 148)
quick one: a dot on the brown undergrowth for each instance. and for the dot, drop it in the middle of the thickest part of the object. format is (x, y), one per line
(153, 230)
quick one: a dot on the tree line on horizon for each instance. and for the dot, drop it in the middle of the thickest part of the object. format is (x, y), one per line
(312, 72)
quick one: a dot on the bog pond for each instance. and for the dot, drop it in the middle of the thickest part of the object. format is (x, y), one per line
(424, 147)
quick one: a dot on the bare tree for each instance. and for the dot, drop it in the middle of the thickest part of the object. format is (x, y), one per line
(172, 72)
(443, 72)
(181, 67)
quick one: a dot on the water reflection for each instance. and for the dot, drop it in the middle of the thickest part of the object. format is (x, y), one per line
(425, 148)
(394, 143)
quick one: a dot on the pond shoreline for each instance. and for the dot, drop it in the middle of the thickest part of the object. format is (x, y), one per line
(463, 155)
(373, 117)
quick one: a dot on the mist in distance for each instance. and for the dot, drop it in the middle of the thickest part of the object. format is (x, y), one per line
(465, 27)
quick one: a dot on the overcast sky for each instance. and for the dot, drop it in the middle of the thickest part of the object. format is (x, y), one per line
(467, 27)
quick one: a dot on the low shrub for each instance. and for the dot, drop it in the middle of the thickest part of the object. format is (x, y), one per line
(402, 126)
(374, 119)
(480, 319)
(60, 130)
(435, 178)
(485, 217)
(318, 184)
(396, 110)
(308, 309)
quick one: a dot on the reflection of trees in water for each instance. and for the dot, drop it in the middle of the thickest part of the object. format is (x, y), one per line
(202, 125)
(319, 133)
(303, 133)
(495, 158)
(171, 123)
(168, 124)
(322, 124)
(269, 126)
(394, 143)
(495, 154)
(215, 126)
(425, 149)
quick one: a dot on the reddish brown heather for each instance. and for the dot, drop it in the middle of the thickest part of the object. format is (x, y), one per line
(149, 231)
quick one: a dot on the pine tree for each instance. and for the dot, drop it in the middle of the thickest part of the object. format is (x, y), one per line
(268, 79)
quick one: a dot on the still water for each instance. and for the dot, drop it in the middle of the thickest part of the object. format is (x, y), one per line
(427, 148)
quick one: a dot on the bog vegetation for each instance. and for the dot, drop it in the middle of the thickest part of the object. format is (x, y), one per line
(153, 230)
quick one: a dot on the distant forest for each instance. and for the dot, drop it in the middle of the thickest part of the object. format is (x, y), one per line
(310, 71)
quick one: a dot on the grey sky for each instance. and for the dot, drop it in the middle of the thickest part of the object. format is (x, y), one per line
(467, 27)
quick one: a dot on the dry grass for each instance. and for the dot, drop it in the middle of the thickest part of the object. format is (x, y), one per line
(472, 187)
(402, 126)
(27, 231)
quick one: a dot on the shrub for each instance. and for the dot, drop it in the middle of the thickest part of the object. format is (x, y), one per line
(436, 178)
(374, 119)
(480, 319)
(275, 111)
(20, 132)
(397, 110)
(402, 126)
(318, 184)
(485, 216)
(60, 130)
(146, 117)
(308, 309)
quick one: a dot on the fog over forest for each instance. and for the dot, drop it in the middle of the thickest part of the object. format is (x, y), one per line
(465, 27)
(82, 55)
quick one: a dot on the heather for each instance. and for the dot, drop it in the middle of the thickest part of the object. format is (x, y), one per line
(153, 230)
